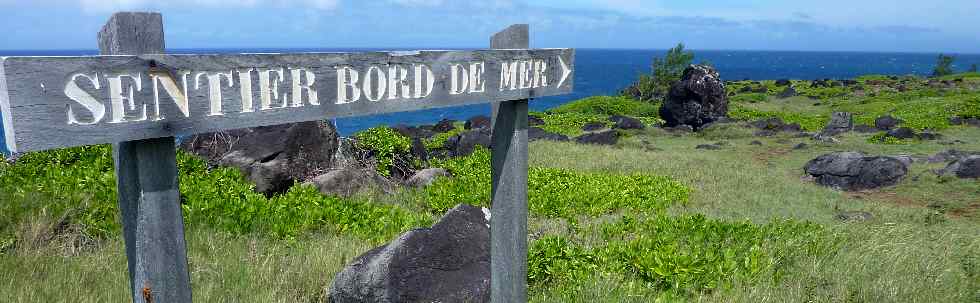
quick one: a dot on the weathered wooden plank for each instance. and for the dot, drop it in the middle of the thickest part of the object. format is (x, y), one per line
(509, 209)
(68, 101)
(146, 179)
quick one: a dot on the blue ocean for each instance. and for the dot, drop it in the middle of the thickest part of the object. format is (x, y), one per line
(606, 71)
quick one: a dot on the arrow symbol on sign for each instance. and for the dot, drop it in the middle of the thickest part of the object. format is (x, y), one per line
(565, 71)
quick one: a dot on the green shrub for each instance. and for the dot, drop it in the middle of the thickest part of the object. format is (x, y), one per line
(944, 66)
(607, 105)
(439, 140)
(553, 192)
(884, 138)
(664, 72)
(570, 123)
(808, 122)
(687, 255)
(385, 143)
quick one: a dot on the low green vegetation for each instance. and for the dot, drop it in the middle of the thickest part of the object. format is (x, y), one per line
(663, 73)
(384, 143)
(944, 66)
(569, 118)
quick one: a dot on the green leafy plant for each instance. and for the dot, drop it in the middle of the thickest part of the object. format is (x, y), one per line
(664, 72)
(385, 144)
(609, 105)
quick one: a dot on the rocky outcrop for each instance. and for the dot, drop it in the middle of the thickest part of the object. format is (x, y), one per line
(537, 133)
(967, 167)
(851, 171)
(593, 126)
(346, 182)
(697, 99)
(272, 157)
(887, 122)
(609, 137)
(444, 125)
(478, 122)
(449, 262)
(426, 176)
(466, 142)
(789, 92)
(840, 122)
(624, 122)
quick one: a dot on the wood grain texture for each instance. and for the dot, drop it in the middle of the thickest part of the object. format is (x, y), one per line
(509, 208)
(146, 181)
(38, 102)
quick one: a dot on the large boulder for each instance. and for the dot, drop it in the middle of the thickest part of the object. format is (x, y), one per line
(609, 137)
(449, 262)
(851, 171)
(967, 168)
(466, 142)
(697, 99)
(840, 122)
(887, 122)
(537, 133)
(426, 176)
(346, 182)
(624, 122)
(272, 157)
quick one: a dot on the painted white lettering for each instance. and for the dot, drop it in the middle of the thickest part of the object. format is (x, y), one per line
(374, 75)
(508, 75)
(269, 80)
(347, 77)
(477, 83)
(245, 88)
(540, 73)
(525, 70)
(398, 81)
(297, 75)
(430, 81)
(170, 86)
(459, 79)
(77, 94)
(214, 89)
(118, 95)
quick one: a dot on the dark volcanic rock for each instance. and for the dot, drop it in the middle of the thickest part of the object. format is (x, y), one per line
(764, 133)
(478, 122)
(840, 122)
(697, 99)
(902, 133)
(768, 123)
(348, 181)
(852, 171)
(444, 125)
(955, 120)
(272, 157)
(593, 126)
(950, 155)
(708, 146)
(624, 122)
(887, 122)
(855, 216)
(680, 129)
(449, 262)
(536, 133)
(756, 142)
(534, 120)
(466, 142)
(966, 168)
(609, 137)
(789, 92)
(414, 131)
(800, 146)
(783, 82)
(928, 135)
(418, 150)
(865, 129)
(972, 122)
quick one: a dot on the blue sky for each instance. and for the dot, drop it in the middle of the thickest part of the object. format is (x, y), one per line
(866, 25)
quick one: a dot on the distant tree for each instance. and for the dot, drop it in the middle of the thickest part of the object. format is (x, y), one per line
(973, 68)
(944, 65)
(664, 72)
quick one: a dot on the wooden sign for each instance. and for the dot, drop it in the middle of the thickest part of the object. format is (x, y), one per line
(52, 102)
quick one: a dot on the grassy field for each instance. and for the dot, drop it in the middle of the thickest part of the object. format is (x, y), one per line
(739, 224)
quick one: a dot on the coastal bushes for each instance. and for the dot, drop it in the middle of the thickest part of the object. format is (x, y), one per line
(569, 118)
(553, 192)
(384, 143)
(685, 255)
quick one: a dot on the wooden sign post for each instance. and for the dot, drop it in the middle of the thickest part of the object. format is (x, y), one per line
(139, 99)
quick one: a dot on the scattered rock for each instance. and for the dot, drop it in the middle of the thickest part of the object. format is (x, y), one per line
(426, 176)
(534, 120)
(272, 157)
(756, 142)
(609, 137)
(414, 131)
(783, 82)
(764, 133)
(972, 122)
(854, 216)
(593, 126)
(536, 133)
(449, 262)
(840, 122)
(851, 171)
(680, 129)
(800, 146)
(864, 129)
(950, 155)
(789, 92)
(887, 122)
(418, 150)
(965, 168)
(905, 159)
(444, 125)
(466, 142)
(624, 122)
(928, 135)
(479, 122)
(346, 182)
(708, 146)
(955, 120)
(902, 133)
(768, 123)
(697, 99)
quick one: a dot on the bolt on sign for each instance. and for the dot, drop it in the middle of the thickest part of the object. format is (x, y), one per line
(139, 99)
(52, 102)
